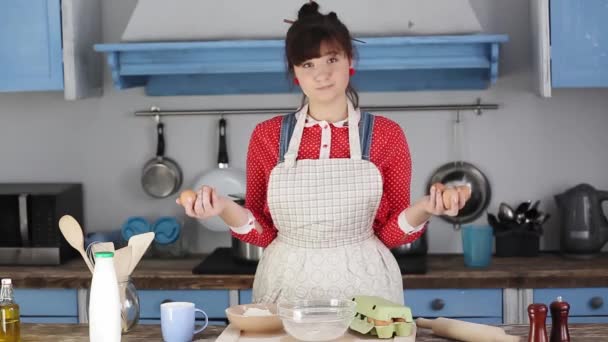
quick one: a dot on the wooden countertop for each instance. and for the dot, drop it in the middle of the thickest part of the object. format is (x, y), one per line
(80, 332)
(444, 271)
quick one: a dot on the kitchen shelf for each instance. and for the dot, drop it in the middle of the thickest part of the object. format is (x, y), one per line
(464, 62)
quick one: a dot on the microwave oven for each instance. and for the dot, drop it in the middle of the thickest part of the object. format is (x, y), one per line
(29, 222)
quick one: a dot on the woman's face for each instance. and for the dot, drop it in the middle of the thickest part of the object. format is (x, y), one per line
(324, 79)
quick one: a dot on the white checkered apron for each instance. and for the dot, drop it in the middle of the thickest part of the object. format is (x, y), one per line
(323, 210)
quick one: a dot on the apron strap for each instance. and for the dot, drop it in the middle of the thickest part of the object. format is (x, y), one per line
(366, 129)
(288, 123)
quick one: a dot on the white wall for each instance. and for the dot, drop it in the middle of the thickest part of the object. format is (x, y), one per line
(531, 148)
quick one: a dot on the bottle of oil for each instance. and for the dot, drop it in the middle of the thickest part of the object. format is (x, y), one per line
(9, 314)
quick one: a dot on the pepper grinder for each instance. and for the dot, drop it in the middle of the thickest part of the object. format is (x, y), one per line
(537, 313)
(559, 319)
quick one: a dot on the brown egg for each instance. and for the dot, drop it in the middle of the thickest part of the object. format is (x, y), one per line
(187, 195)
(447, 197)
(446, 193)
(466, 190)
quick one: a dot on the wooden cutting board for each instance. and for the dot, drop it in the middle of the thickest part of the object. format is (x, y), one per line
(232, 334)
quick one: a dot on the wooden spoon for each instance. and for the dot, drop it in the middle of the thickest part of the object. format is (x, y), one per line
(122, 263)
(72, 232)
(140, 244)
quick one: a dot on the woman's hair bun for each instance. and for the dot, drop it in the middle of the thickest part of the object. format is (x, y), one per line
(309, 10)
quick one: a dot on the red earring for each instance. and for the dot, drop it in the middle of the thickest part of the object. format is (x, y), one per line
(351, 71)
(296, 82)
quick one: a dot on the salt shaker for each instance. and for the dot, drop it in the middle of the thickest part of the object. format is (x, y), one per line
(559, 321)
(537, 313)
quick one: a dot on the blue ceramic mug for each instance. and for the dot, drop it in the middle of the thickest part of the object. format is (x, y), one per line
(177, 321)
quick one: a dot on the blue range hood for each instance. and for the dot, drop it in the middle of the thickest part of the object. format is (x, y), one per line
(464, 62)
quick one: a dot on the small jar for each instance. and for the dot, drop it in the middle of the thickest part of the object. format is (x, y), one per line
(129, 305)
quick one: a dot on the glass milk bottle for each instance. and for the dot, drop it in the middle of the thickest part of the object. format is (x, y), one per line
(9, 314)
(104, 306)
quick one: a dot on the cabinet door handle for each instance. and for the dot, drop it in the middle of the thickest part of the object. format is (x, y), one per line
(167, 301)
(437, 304)
(596, 303)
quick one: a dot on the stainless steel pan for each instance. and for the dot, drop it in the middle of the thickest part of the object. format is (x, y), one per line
(161, 177)
(463, 173)
(243, 251)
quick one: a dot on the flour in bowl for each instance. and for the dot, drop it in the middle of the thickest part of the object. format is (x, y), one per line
(257, 312)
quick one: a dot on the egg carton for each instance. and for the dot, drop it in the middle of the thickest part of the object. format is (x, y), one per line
(380, 317)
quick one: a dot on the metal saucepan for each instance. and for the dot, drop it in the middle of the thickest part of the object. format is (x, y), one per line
(243, 251)
(463, 173)
(226, 180)
(161, 176)
(418, 247)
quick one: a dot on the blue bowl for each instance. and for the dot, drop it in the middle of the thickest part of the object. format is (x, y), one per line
(166, 230)
(134, 225)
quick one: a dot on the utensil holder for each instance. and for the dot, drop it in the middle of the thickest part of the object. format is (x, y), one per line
(517, 244)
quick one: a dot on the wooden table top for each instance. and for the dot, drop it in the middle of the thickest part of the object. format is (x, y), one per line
(444, 271)
(80, 333)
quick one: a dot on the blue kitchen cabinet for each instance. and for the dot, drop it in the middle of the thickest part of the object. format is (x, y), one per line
(570, 43)
(579, 43)
(256, 66)
(477, 305)
(587, 305)
(473, 305)
(47, 305)
(30, 40)
(47, 45)
(213, 302)
(245, 296)
(199, 322)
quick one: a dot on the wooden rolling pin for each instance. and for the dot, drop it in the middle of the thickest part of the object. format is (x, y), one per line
(465, 331)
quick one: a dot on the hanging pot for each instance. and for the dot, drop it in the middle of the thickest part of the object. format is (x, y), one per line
(462, 173)
(226, 180)
(161, 177)
(458, 173)
(243, 251)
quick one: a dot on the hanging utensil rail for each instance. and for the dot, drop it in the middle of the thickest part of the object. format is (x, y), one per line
(478, 108)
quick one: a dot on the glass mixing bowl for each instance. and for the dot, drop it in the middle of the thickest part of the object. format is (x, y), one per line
(317, 320)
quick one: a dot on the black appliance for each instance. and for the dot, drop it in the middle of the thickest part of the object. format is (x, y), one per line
(29, 218)
(418, 247)
(223, 261)
(584, 227)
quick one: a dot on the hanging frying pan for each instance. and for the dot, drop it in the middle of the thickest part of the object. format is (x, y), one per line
(226, 180)
(161, 176)
(459, 173)
(462, 173)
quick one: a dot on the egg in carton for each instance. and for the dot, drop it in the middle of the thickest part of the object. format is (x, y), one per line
(380, 317)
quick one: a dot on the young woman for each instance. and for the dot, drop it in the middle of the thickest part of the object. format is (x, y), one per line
(328, 187)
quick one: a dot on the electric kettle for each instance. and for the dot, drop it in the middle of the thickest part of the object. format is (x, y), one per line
(584, 227)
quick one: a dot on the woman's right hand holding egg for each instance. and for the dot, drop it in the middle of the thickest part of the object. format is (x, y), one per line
(204, 204)
(448, 201)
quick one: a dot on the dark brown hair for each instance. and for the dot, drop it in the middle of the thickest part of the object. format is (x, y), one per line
(305, 36)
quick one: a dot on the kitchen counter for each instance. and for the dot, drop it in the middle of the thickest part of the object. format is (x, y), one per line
(444, 271)
(80, 332)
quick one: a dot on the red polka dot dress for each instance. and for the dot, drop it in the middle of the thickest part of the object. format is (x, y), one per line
(389, 152)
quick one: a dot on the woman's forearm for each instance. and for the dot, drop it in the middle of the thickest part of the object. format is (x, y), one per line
(417, 214)
(233, 214)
